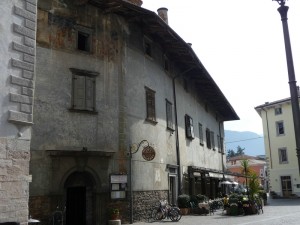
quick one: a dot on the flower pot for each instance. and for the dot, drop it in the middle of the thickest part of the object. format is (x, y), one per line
(115, 216)
(184, 211)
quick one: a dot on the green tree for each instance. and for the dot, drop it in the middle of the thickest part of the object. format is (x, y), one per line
(240, 151)
(230, 153)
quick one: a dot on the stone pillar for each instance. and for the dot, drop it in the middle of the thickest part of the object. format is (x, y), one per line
(17, 53)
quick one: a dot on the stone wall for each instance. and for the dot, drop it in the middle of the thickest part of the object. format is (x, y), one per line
(17, 52)
(143, 201)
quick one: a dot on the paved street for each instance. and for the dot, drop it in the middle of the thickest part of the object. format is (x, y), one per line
(277, 212)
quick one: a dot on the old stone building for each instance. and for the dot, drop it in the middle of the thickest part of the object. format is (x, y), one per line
(124, 112)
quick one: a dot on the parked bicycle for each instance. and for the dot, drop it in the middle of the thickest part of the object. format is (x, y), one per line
(164, 210)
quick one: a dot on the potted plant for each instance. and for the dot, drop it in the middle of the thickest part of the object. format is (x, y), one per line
(114, 213)
(184, 203)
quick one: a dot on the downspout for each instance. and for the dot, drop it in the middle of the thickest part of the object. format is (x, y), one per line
(268, 132)
(222, 150)
(222, 158)
(176, 129)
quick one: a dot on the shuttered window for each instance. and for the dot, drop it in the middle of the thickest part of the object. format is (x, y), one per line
(83, 89)
(189, 129)
(150, 105)
(200, 133)
(208, 140)
(169, 113)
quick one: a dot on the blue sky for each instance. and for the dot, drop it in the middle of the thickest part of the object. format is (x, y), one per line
(240, 43)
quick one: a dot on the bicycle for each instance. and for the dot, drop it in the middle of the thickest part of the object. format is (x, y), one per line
(164, 210)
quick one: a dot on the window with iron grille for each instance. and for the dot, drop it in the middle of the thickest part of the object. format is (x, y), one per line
(150, 105)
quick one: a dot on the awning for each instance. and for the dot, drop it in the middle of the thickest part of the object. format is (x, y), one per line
(215, 175)
(225, 182)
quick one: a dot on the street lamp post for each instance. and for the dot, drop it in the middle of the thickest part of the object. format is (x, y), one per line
(283, 9)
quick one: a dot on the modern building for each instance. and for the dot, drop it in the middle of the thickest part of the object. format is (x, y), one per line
(280, 145)
(124, 112)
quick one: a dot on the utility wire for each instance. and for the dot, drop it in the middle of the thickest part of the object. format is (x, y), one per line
(243, 140)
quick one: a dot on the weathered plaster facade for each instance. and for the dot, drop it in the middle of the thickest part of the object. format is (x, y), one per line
(17, 68)
(74, 150)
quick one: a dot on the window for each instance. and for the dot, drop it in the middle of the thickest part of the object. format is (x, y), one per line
(208, 143)
(166, 64)
(169, 113)
(200, 134)
(83, 41)
(189, 129)
(219, 143)
(185, 85)
(150, 105)
(279, 128)
(83, 89)
(212, 140)
(148, 46)
(282, 155)
(278, 111)
(222, 145)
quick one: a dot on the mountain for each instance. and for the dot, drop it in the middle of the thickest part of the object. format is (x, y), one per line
(253, 143)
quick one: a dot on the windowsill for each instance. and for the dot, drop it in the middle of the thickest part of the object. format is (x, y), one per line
(170, 129)
(285, 162)
(190, 138)
(83, 111)
(151, 121)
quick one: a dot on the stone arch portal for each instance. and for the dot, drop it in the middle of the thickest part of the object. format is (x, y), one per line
(79, 189)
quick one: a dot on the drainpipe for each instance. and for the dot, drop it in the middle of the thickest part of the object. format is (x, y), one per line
(222, 158)
(176, 128)
(269, 142)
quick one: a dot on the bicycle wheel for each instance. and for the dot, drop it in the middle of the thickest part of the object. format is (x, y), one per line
(157, 214)
(174, 215)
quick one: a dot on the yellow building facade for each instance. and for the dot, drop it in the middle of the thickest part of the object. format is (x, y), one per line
(280, 147)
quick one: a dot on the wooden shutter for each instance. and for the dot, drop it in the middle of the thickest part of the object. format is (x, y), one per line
(79, 92)
(150, 99)
(189, 127)
(89, 93)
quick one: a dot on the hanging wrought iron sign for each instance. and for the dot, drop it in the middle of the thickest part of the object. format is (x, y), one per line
(148, 153)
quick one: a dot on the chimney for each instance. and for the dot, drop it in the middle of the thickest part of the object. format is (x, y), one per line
(135, 2)
(163, 14)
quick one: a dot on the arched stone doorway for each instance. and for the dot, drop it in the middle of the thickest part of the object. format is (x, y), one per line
(79, 189)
